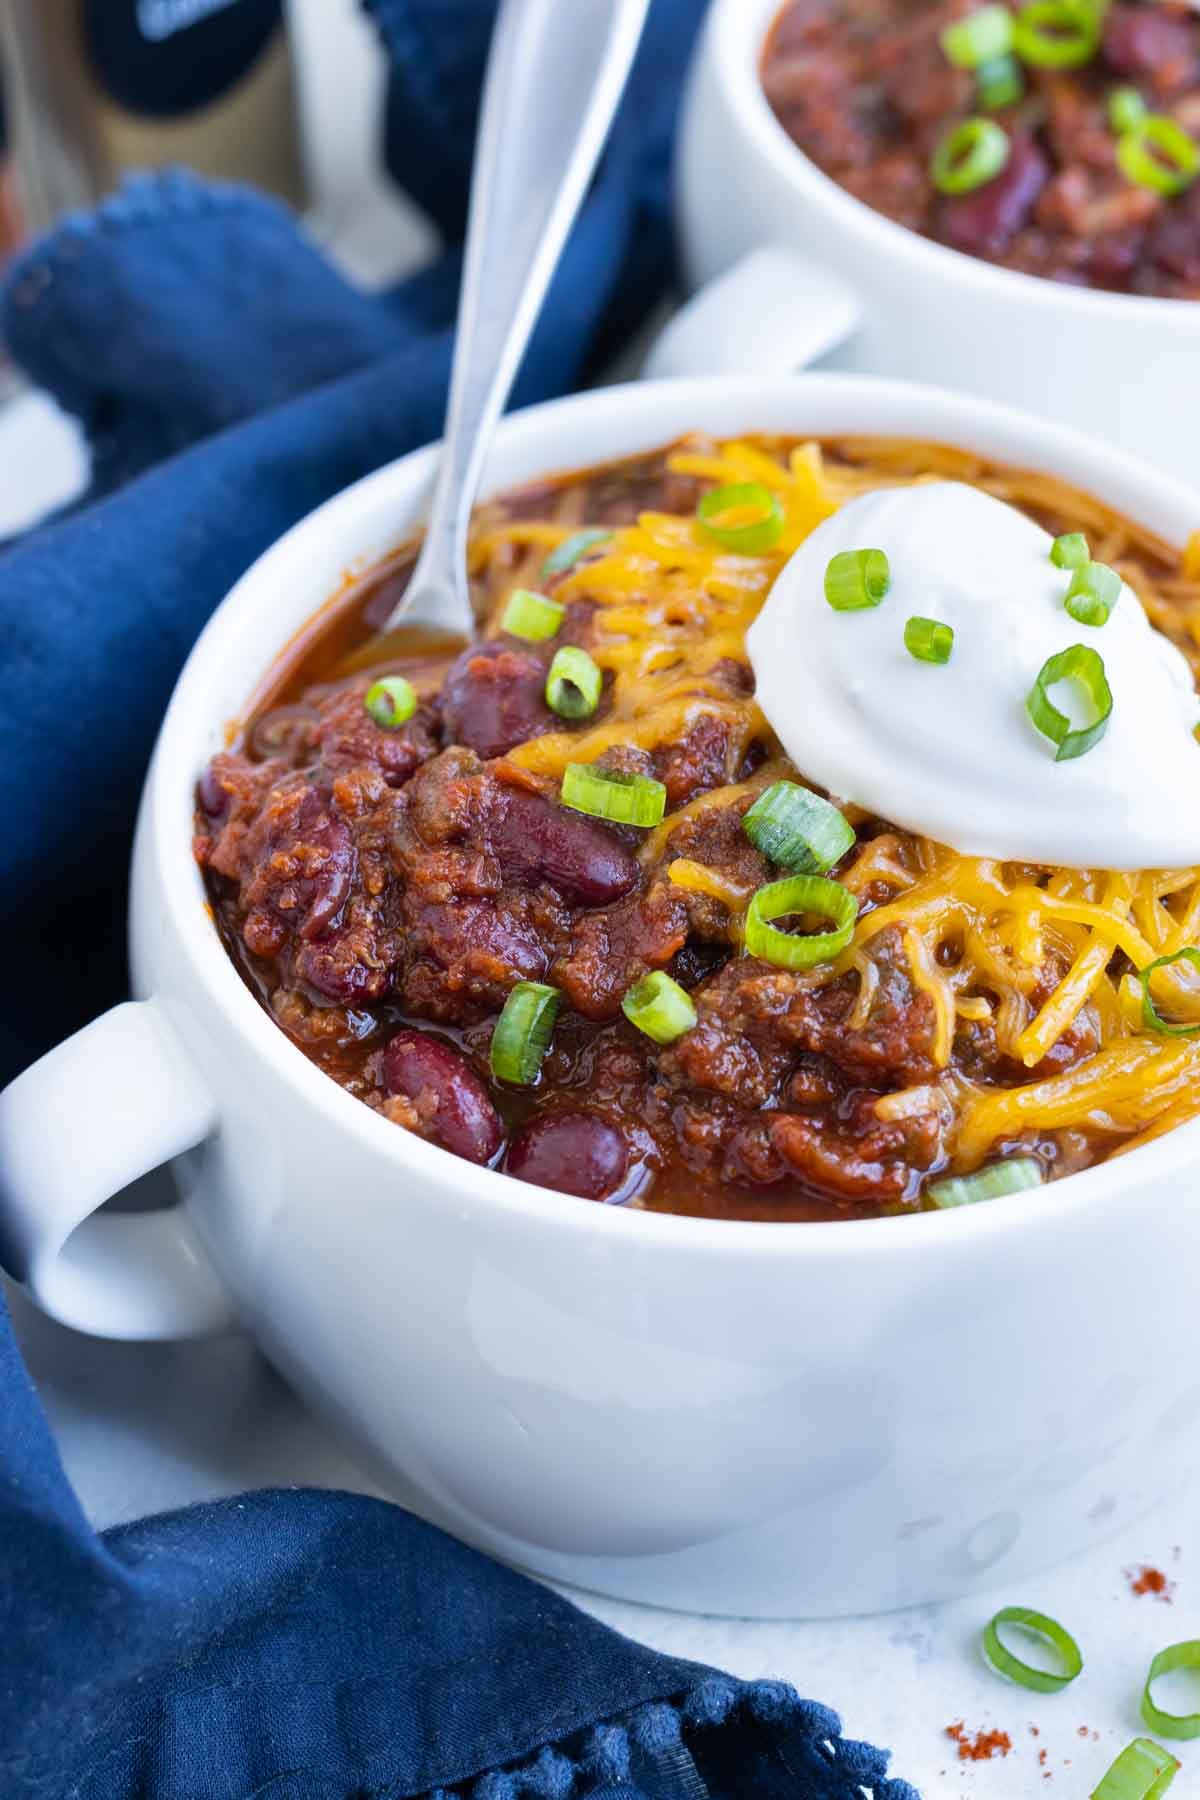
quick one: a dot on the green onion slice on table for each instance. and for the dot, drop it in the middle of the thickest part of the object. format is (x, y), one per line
(797, 829)
(1085, 668)
(970, 155)
(1167, 1662)
(611, 794)
(1143, 1771)
(1026, 1675)
(523, 1031)
(659, 1007)
(745, 517)
(800, 894)
(1012, 1176)
(390, 701)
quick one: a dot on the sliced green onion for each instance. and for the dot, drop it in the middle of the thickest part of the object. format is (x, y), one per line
(1159, 154)
(746, 517)
(573, 548)
(929, 640)
(800, 894)
(1057, 1636)
(979, 38)
(523, 1031)
(1172, 1725)
(999, 84)
(857, 579)
(531, 616)
(391, 701)
(797, 829)
(610, 794)
(1094, 591)
(1126, 109)
(573, 683)
(1086, 669)
(973, 153)
(659, 1007)
(1070, 551)
(1057, 34)
(992, 1183)
(1151, 1018)
(1143, 1771)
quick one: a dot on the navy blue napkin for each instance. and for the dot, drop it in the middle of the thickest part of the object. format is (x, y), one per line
(296, 1644)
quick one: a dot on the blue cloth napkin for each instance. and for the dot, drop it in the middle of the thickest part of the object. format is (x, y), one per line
(298, 1644)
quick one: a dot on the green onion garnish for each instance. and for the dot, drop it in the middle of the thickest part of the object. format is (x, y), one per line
(1151, 1017)
(531, 616)
(1143, 1771)
(571, 549)
(1172, 1725)
(1086, 669)
(573, 683)
(391, 701)
(1159, 154)
(999, 84)
(979, 38)
(523, 1031)
(800, 894)
(659, 1007)
(1041, 1681)
(746, 517)
(929, 640)
(1070, 551)
(1094, 591)
(992, 1183)
(857, 579)
(797, 829)
(1057, 34)
(974, 152)
(610, 794)
(1126, 109)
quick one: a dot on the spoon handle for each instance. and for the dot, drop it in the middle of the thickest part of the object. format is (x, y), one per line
(556, 71)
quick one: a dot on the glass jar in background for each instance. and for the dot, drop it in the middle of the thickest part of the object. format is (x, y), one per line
(102, 86)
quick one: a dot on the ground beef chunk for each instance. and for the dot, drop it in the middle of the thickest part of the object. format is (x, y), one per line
(610, 950)
(344, 736)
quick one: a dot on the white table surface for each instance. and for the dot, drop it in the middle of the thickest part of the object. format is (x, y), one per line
(146, 1427)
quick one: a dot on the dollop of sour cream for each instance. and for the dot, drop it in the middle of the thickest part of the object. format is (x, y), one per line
(948, 750)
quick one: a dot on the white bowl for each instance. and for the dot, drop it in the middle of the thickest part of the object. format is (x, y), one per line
(750, 1418)
(1122, 367)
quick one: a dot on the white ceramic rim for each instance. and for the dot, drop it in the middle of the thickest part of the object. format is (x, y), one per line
(737, 35)
(186, 737)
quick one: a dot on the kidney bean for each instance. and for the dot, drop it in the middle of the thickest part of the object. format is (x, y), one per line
(574, 1152)
(212, 794)
(1149, 43)
(538, 840)
(984, 222)
(454, 1105)
(494, 698)
(1175, 238)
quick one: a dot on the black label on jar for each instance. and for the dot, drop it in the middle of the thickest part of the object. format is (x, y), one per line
(162, 58)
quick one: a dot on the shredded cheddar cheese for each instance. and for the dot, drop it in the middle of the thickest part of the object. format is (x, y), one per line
(1027, 955)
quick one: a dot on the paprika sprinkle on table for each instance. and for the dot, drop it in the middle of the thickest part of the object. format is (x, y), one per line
(1145, 1579)
(982, 1747)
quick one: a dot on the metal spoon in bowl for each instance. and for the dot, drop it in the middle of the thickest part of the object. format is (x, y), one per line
(556, 71)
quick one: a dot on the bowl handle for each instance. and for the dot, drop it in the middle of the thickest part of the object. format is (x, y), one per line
(769, 314)
(110, 1104)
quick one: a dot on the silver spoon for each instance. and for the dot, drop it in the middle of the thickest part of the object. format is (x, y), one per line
(556, 71)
